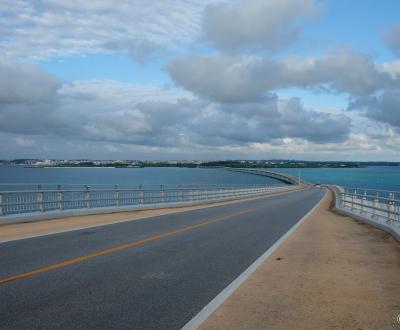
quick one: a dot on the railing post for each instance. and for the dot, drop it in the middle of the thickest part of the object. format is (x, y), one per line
(342, 198)
(1, 205)
(161, 193)
(375, 204)
(116, 195)
(180, 193)
(87, 196)
(363, 202)
(40, 198)
(59, 198)
(396, 209)
(390, 203)
(141, 194)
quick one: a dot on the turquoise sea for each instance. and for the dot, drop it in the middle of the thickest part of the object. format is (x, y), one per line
(378, 177)
(28, 178)
(372, 177)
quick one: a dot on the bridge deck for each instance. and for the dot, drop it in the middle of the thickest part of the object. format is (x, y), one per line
(333, 272)
(270, 174)
(144, 274)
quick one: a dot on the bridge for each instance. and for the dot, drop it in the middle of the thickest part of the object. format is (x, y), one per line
(71, 200)
(142, 270)
(285, 178)
(153, 273)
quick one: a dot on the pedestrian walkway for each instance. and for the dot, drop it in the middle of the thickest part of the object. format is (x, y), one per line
(333, 272)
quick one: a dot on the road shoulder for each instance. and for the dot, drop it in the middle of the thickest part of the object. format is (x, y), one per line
(333, 272)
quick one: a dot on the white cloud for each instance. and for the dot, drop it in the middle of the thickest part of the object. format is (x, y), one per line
(257, 24)
(243, 78)
(112, 148)
(384, 107)
(392, 37)
(54, 28)
(224, 104)
(23, 83)
(392, 68)
(25, 142)
(114, 112)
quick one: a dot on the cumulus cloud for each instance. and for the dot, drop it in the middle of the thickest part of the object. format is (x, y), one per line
(224, 103)
(24, 142)
(392, 68)
(384, 107)
(345, 72)
(257, 24)
(24, 83)
(268, 121)
(392, 37)
(249, 80)
(114, 112)
(228, 78)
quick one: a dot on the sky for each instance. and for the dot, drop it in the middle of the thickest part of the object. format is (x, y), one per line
(200, 79)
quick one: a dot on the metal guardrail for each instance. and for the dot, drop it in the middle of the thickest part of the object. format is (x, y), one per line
(373, 204)
(41, 200)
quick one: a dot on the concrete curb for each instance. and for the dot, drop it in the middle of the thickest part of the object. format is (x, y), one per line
(214, 304)
(383, 226)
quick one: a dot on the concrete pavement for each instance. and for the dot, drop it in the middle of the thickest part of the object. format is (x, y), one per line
(144, 274)
(332, 273)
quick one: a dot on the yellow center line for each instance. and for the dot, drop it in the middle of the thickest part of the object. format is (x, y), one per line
(127, 246)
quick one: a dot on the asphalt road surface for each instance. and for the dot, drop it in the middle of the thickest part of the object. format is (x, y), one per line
(154, 273)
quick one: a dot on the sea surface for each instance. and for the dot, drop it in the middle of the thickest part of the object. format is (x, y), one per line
(20, 178)
(374, 177)
(371, 177)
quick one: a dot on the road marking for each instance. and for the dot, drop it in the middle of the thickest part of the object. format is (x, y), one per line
(129, 245)
(214, 304)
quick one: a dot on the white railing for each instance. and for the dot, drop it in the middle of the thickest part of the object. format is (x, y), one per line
(379, 205)
(64, 198)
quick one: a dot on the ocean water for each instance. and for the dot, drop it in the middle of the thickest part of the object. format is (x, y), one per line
(15, 177)
(372, 177)
(378, 177)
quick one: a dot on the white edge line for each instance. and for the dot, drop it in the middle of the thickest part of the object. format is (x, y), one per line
(214, 304)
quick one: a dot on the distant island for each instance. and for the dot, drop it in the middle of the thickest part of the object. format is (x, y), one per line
(275, 163)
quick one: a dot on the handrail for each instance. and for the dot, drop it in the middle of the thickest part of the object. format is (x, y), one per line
(41, 200)
(137, 189)
(369, 189)
(374, 207)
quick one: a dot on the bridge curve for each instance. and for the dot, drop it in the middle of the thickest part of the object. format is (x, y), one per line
(274, 175)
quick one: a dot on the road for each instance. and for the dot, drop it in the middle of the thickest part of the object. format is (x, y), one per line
(154, 273)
